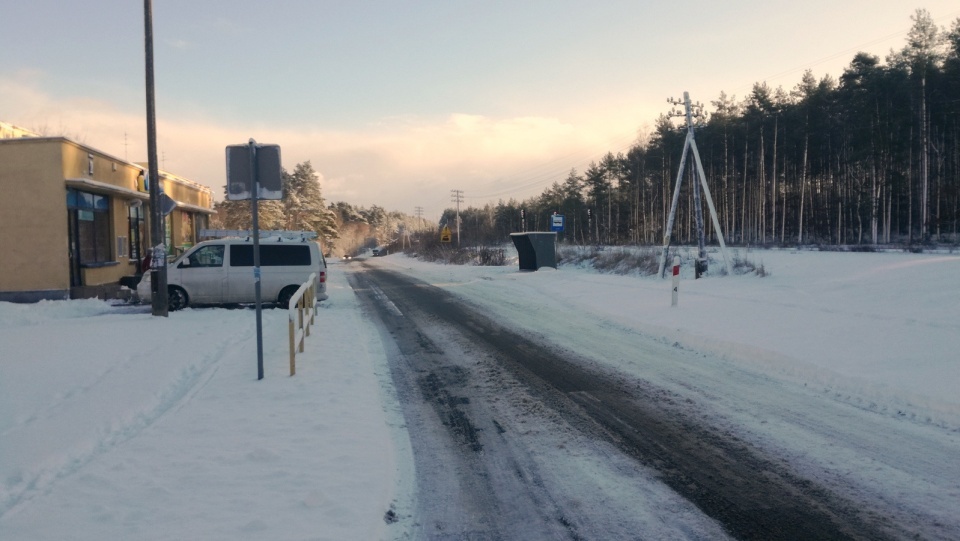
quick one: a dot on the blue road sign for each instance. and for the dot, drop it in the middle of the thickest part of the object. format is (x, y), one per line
(556, 223)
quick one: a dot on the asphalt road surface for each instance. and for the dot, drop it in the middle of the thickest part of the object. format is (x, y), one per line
(515, 438)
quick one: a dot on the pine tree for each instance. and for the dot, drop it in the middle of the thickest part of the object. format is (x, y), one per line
(303, 205)
(301, 208)
(239, 214)
(923, 54)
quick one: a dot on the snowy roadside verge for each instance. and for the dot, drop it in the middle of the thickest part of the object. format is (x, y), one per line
(118, 425)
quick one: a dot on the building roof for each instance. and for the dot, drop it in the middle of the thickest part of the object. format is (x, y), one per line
(10, 131)
(27, 139)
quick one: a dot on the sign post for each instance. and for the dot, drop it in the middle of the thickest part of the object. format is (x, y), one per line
(254, 172)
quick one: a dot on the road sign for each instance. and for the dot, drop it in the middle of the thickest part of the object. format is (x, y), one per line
(166, 204)
(445, 234)
(556, 222)
(268, 172)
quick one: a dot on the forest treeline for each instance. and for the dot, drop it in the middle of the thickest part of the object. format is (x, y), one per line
(871, 158)
(343, 228)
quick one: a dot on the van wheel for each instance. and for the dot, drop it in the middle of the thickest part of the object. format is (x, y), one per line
(283, 299)
(176, 298)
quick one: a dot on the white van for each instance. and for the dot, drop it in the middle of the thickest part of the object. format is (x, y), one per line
(221, 272)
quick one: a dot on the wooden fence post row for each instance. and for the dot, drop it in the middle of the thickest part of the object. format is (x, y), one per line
(302, 310)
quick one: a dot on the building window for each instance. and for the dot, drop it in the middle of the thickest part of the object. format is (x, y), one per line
(122, 246)
(168, 234)
(187, 237)
(91, 213)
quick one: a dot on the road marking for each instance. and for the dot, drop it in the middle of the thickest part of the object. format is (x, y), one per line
(382, 297)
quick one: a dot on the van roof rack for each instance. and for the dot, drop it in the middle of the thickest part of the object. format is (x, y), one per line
(282, 234)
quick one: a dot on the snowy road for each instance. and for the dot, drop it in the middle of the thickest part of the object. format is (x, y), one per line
(499, 453)
(412, 416)
(716, 441)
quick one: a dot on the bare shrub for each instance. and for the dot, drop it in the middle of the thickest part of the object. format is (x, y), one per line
(491, 257)
(643, 261)
(742, 265)
(429, 248)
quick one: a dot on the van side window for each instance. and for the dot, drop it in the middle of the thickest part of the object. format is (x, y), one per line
(208, 256)
(271, 255)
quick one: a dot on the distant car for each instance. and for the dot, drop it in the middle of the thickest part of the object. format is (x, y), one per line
(221, 272)
(380, 250)
(347, 257)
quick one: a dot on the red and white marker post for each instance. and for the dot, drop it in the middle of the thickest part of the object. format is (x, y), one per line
(676, 280)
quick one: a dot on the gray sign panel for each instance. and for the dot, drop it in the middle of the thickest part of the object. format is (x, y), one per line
(240, 179)
(166, 204)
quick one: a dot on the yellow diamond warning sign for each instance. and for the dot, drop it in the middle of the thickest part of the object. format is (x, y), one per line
(445, 234)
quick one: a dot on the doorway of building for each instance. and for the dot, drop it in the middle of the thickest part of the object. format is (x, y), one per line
(73, 227)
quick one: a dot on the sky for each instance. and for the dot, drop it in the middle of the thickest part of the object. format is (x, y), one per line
(850, 376)
(397, 103)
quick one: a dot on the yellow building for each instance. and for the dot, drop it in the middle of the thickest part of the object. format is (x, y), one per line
(75, 220)
(9, 131)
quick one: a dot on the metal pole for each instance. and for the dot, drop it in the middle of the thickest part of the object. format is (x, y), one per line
(690, 145)
(713, 210)
(256, 254)
(673, 206)
(457, 198)
(701, 261)
(159, 279)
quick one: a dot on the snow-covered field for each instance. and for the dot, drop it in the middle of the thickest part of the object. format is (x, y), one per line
(118, 425)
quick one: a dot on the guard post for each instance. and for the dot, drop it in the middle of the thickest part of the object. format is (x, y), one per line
(676, 281)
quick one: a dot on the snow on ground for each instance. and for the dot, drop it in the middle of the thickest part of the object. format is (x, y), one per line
(115, 424)
(118, 425)
(882, 328)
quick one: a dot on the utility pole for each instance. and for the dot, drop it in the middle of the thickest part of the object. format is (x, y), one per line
(456, 196)
(419, 218)
(158, 259)
(690, 112)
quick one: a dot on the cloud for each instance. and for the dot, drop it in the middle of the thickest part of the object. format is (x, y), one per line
(228, 26)
(180, 44)
(399, 162)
